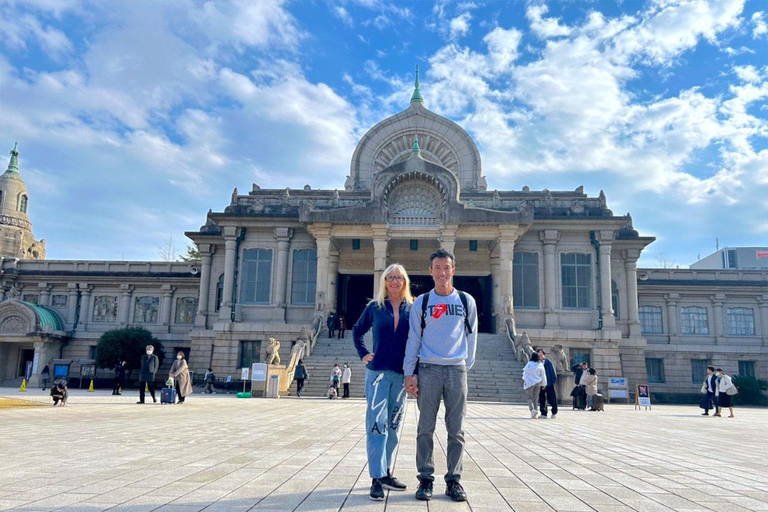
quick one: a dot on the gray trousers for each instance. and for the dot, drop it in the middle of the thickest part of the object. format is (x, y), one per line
(449, 384)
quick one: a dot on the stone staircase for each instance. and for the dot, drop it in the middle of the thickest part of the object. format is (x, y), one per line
(496, 376)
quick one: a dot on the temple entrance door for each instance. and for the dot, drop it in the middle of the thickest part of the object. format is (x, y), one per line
(353, 293)
(26, 355)
(479, 287)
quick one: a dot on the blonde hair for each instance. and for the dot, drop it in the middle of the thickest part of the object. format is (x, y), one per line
(382, 295)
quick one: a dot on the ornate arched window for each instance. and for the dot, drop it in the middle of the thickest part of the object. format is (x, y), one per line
(415, 203)
(23, 203)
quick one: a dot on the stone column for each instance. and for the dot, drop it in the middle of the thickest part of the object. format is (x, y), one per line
(230, 246)
(333, 278)
(606, 240)
(167, 305)
(283, 236)
(44, 295)
(550, 237)
(630, 267)
(126, 291)
(205, 284)
(71, 305)
(448, 237)
(497, 297)
(718, 300)
(506, 241)
(379, 261)
(85, 305)
(763, 305)
(672, 299)
(323, 242)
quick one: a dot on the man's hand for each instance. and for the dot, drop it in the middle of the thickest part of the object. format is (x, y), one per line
(412, 385)
(367, 358)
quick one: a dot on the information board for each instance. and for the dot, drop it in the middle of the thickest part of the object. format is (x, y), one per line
(642, 396)
(618, 388)
(244, 374)
(259, 372)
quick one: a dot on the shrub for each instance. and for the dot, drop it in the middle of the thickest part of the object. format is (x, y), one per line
(126, 345)
(751, 391)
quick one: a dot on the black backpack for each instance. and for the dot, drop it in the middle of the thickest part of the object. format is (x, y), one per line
(464, 302)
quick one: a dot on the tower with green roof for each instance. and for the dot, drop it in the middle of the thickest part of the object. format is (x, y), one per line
(16, 238)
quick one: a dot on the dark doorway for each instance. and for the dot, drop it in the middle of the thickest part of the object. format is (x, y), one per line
(353, 294)
(26, 355)
(478, 287)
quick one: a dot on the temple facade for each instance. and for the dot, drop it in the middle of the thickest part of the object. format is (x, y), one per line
(559, 266)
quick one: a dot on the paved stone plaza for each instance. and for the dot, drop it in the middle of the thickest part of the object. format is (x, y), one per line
(219, 453)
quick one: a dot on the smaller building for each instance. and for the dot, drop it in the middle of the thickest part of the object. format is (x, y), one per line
(735, 258)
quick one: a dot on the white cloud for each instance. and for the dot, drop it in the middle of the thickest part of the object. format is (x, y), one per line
(545, 27)
(459, 26)
(760, 26)
(17, 32)
(344, 16)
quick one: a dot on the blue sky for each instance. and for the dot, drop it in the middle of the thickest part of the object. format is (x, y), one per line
(134, 117)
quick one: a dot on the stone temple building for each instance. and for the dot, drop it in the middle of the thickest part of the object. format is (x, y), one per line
(558, 267)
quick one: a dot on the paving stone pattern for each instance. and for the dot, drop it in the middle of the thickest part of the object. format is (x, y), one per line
(219, 453)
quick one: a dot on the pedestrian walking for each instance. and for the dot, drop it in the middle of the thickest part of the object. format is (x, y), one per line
(149, 366)
(534, 378)
(180, 375)
(120, 369)
(548, 393)
(346, 378)
(709, 388)
(45, 376)
(300, 374)
(209, 378)
(387, 318)
(442, 342)
(725, 389)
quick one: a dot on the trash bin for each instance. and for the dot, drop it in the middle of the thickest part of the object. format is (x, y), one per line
(273, 386)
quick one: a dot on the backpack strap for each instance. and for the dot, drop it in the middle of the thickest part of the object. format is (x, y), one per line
(424, 304)
(464, 302)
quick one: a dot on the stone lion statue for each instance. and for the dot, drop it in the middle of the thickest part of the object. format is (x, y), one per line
(273, 354)
(561, 360)
(525, 349)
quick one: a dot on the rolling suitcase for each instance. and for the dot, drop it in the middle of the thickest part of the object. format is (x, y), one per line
(580, 401)
(168, 396)
(598, 402)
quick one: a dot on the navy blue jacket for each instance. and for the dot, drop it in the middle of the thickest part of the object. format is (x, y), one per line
(549, 369)
(388, 343)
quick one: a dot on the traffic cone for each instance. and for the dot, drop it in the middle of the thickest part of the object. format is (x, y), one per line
(90, 388)
(23, 386)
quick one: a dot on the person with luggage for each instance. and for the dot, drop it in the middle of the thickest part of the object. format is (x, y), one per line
(180, 375)
(725, 390)
(209, 378)
(579, 390)
(387, 317)
(120, 370)
(534, 377)
(336, 378)
(547, 393)
(149, 365)
(346, 378)
(45, 375)
(590, 387)
(709, 387)
(300, 374)
(59, 393)
(442, 343)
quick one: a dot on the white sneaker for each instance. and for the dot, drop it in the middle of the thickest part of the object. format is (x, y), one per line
(553, 416)
(533, 415)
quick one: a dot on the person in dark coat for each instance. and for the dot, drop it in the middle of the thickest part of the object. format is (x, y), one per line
(547, 393)
(59, 393)
(300, 374)
(45, 375)
(149, 366)
(119, 377)
(331, 323)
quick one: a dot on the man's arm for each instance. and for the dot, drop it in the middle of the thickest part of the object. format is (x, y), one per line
(413, 345)
(471, 337)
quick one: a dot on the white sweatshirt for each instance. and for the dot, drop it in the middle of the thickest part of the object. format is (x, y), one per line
(533, 374)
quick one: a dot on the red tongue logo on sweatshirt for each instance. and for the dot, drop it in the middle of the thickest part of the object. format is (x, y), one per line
(439, 310)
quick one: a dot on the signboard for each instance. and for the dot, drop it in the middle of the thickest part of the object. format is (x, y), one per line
(88, 370)
(259, 372)
(244, 374)
(34, 363)
(618, 388)
(642, 396)
(28, 371)
(761, 254)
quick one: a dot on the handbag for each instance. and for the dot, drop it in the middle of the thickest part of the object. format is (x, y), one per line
(704, 387)
(731, 390)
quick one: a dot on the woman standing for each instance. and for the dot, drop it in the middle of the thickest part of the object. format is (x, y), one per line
(180, 373)
(300, 374)
(723, 392)
(387, 317)
(591, 387)
(534, 378)
(45, 375)
(336, 378)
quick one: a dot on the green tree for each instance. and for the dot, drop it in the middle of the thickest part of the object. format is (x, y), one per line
(192, 254)
(126, 345)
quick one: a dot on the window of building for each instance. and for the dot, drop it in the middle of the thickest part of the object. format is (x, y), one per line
(304, 281)
(145, 310)
(23, 203)
(698, 370)
(733, 259)
(615, 299)
(219, 291)
(655, 369)
(1, 198)
(185, 310)
(650, 319)
(525, 280)
(695, 320)
(31, 298)
(414, 245)
(577, 280)
(741, 321)
(580, 355)
(250, 352)
(257, 276)
(473, 246)
(747, 369)
(92, 352)
(355, 244)
(104, 308)
(59, 301)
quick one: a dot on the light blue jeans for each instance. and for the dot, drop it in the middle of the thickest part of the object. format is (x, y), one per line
(385, 391)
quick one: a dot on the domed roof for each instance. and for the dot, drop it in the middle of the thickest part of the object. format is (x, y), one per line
(441, 141)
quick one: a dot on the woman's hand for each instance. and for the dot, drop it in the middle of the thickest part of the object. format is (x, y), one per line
(367, 358)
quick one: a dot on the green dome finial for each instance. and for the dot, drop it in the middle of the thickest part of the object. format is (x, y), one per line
(416, 96)
(13, 165)
(416, 148)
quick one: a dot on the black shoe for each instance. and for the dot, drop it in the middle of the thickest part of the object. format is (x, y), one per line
(705, 414)
(154, 400)
(455, 491)
(139, 402)
(392, 483)
(424, 492)
(377, 491)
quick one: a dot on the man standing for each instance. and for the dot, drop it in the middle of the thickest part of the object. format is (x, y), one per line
(442, 340)
(547, 393)
(346, 378)
(331, 323)
(710, 384)
(580, 379)
(149, 366)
